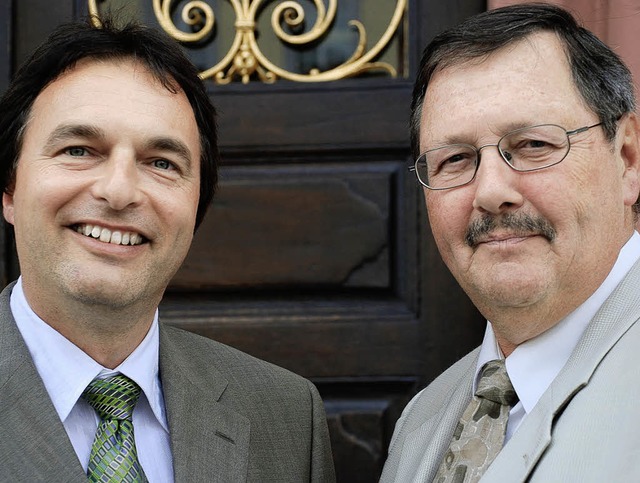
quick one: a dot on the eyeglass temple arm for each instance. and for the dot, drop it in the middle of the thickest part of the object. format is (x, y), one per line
(582, 129)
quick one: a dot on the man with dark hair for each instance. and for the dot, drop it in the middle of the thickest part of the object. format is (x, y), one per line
(527, 144)
(108, 155)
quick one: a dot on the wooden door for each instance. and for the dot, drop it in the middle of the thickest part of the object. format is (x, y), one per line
(316, 253)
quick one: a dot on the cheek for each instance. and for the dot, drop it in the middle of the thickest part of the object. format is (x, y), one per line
(596, 193)
(449, 215)
(43, 194)
(177, 209)
(39, 182)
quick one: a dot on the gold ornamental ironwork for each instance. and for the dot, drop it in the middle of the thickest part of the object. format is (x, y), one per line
(245, 59)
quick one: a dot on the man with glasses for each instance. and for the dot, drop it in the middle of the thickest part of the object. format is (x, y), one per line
(527, 144)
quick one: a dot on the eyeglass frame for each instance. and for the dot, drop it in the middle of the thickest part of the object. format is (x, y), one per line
(414, 167)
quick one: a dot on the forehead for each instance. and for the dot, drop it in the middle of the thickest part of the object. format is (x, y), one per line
(524, 83)
(119, 95)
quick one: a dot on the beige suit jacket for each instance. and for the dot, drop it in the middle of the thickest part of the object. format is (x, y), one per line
(585, 428)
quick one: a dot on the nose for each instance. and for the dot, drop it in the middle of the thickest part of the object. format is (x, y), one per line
(496, 184)
(118, 182)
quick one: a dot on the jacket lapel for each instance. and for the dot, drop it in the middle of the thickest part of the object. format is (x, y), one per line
(424, 448)
(34, 444)
(209, 441)
(620, 311)
(440, 430)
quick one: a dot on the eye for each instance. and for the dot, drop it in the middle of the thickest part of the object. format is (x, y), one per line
(539, 138)
(456, 158)
(163, 164)
(533, 147)
(452, 159)
(76, 151)
(533, 144)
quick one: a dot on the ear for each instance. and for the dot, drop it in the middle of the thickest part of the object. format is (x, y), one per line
(630, 154)
(7, 206)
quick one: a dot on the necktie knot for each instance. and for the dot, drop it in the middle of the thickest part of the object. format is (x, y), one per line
(494, 384)
(113, 397)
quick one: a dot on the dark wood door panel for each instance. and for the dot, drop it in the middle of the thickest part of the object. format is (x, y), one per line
(349, 114)
(333, 338)
(361, 416)
(304, 225)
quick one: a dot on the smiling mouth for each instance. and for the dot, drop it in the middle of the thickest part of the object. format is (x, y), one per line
(107, 236)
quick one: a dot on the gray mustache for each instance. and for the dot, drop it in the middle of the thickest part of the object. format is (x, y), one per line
(521, 224)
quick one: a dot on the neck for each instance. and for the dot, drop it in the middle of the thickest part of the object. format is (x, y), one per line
(107, 334)
(109, 348)
(515, 326)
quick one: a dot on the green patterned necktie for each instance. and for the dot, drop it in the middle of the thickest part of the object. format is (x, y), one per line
(479, 436)
(113, 454)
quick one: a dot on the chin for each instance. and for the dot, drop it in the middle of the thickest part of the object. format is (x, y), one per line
(114, 300)
(515, 287)
(106, 293)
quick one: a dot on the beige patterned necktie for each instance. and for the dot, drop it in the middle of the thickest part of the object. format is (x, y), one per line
(479, 436)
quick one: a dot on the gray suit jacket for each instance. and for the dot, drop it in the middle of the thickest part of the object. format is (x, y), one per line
(585, 428)
(232, 418)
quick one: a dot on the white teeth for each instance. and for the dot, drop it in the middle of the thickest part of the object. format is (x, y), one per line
(107, 236)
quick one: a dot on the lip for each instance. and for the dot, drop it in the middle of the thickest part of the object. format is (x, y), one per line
(112, 228)
(107, 252)
(506, 240)
(105, 248)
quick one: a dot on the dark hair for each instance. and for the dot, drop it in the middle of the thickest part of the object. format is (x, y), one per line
(72, 42)
(602, 79)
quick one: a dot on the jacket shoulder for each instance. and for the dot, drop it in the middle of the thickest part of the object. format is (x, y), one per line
(438, 393)
(201, 355)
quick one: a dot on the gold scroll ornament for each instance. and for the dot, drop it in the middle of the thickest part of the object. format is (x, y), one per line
(244, 58)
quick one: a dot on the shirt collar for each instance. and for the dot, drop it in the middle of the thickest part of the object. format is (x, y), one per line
(533, 365)
(66, 370)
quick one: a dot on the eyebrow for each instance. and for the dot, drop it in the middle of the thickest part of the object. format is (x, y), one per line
(507, 128)
(67, 131)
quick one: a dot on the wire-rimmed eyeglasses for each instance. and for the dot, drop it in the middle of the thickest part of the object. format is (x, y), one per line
(525, 149)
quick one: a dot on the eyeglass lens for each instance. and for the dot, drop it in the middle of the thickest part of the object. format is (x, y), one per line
(525, 149)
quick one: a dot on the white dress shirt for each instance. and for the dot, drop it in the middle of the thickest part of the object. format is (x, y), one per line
(534, 364)
(66, 371)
